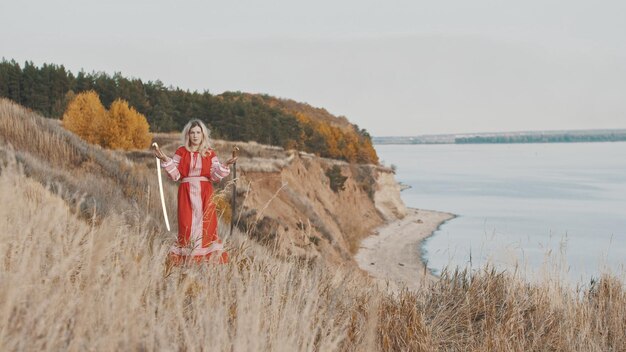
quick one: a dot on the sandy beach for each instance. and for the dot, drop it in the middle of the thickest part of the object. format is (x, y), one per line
(393, 254)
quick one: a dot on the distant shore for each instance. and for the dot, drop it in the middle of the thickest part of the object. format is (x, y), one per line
(563, 136)
(393, 255)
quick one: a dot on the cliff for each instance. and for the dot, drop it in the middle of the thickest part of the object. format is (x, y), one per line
(284, 199)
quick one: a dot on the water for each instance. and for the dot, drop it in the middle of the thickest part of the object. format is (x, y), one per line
(536, 207)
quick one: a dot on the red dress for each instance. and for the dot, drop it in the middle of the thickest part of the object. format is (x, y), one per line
(197, 217)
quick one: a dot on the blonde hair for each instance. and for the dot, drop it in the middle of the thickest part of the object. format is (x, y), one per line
(205, 144)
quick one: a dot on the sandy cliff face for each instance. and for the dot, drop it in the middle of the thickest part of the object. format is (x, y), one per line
(285, 200)
(387, 197)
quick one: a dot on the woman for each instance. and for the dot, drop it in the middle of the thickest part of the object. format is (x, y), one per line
(196, 165)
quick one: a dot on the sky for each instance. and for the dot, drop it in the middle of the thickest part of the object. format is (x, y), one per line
(395, 68)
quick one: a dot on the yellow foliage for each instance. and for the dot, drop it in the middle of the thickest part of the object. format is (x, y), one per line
(113, 134)
(339, 143)
(222, 205)
(85, 116)
(126, 128)
(122, 127)
(140, 131)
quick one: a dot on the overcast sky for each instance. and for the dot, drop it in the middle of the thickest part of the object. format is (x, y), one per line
(392, 67)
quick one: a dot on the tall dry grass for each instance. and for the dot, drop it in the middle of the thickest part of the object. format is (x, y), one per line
(86, 175)
(69, 282)
(66, 284)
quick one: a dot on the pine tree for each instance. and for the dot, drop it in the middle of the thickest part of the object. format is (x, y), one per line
(14, 85)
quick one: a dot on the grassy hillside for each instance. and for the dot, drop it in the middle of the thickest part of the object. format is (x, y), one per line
(73, 281)
(70, 284)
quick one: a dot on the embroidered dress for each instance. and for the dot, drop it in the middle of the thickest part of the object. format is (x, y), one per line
(197, 216)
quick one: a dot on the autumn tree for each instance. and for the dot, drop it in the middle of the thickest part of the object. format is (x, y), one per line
(85, 115)
(140, 135)
(122, 127)
(125, 128)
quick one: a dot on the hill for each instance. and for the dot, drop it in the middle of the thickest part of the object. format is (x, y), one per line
(232, 116)
(84, 231)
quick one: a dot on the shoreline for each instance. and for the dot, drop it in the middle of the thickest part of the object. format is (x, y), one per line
(422, 242)
(393, 255)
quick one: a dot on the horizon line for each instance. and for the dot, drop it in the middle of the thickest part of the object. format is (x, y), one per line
(623, 129)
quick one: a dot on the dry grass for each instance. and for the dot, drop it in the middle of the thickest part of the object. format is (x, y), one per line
(85, 175)
(70, 283)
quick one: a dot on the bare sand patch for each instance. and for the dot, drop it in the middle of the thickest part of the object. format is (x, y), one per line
(393, 254)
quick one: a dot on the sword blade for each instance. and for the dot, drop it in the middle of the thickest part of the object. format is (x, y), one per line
(233, 200)
(167, 221)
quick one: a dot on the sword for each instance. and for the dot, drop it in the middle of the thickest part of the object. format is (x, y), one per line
(234, 198)
(158, 163)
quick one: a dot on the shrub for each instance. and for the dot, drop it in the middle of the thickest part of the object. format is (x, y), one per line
(316, 240)
(222, 206)
(337, 180)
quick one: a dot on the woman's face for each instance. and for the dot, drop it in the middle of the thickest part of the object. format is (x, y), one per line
(195, 135)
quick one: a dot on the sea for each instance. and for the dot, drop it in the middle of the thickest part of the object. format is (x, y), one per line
(553, 210)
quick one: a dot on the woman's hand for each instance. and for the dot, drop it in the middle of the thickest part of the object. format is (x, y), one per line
(231, 161)
(159, 154)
